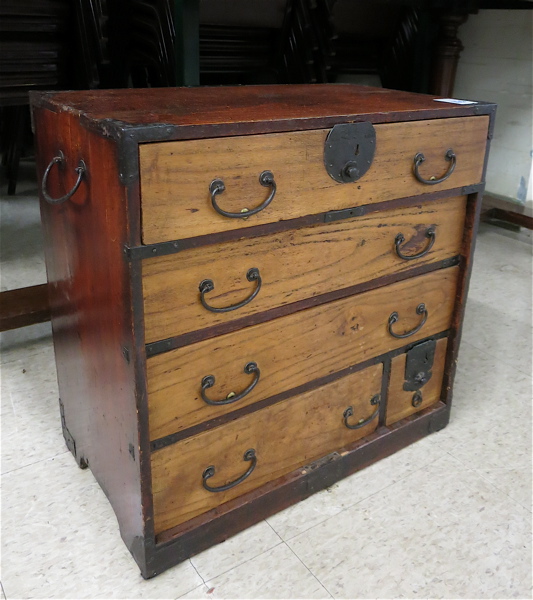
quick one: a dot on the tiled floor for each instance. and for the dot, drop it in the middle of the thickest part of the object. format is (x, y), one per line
(449, 517)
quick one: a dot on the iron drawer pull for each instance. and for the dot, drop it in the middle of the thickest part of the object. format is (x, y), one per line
(399, 240)
(249, 455)
(420, 158)
(80, 170)
(420, 310)
(217, 186)
(209, 381)
(207, 286)
(374, 401)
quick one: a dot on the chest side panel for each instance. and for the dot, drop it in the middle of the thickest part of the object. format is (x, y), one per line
(91, 304)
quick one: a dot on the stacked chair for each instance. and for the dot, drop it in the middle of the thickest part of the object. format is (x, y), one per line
(278, 41)
(233, 49)
(33, 37)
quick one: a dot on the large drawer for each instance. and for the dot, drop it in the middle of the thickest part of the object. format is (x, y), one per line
(283, 437)
(176, 176)
(292, 350)
(294, 265)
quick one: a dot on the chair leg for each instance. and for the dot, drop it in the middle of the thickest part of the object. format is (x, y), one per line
(17, 122)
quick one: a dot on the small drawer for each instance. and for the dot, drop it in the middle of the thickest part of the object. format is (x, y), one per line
(416, 380)
(204, 380)
(244, 454)
(176, 177)
(249, 276)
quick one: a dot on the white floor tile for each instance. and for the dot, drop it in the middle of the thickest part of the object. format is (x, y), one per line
(438, 533)
(30, 416)
(240, 548)
(277, 573)
(353, 489)
(60, 539)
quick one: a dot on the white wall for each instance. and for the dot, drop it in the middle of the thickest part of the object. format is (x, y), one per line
(496, 65)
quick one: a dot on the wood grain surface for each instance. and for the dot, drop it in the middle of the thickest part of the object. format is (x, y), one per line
(91, 308)
(291, 350)
(285, 436)
(294, 265)
(193, 112)
(175, 176)
(399, 401)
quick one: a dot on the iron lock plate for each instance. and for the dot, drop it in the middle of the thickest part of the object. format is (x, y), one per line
(418, 365)
(349, 151)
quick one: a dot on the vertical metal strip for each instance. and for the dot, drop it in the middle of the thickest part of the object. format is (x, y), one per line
(385, 381)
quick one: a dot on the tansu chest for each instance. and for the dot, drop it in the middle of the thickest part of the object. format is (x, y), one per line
(255, 291)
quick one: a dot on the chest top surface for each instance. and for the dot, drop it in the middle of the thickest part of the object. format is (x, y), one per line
(283, 107)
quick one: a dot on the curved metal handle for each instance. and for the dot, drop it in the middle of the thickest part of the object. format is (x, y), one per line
(420, 310)
(249, 455)
(399, 240)
(207, 286)
(374, 401)
(416, 400)
(420, 158)
(217, 186)
(80, 170)
(209, 381)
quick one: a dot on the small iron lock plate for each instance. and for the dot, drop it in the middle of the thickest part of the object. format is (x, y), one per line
(418, 365)
(349, 151)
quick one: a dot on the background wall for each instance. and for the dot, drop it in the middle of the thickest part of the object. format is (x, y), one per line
(496, 65)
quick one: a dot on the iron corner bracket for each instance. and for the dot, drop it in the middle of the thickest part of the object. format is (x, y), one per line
(128, 137)
(473, 189)
(151, 250)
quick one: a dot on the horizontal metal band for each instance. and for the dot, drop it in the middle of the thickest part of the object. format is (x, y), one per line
(180, 435)
(151, 250)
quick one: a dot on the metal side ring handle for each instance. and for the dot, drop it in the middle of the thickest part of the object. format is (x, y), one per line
(217, 186)
(207, 286)
(209, 381)
(420, 158)
(249, 455)
(400, 239)
(374, 401)
(420, 310)
(80, 170)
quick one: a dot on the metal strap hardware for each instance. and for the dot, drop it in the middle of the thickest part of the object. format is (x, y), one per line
(209, 381)
(217, 186)
(374, 401)
(249, 455)
(400, 239)
(420, 158)
(81, 169)
(207, 286)
(394, 317)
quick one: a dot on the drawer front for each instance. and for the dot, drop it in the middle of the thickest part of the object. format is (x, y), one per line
(293, 265)
(283, 436)
(176, 176)
(292, 350)
(403, 402)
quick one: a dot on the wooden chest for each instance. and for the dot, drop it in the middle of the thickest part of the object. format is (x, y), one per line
(255, 291)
